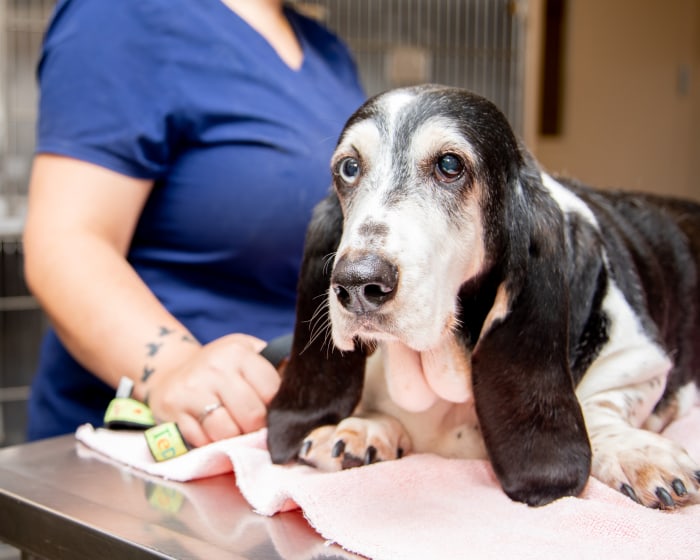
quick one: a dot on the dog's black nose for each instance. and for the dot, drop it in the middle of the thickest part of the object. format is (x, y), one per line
(365, 283)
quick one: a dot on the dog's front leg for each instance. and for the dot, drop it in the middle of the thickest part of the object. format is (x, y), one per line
(361, 439)
(320, 384)
(366, 437)
(647, 467)
(618, 394)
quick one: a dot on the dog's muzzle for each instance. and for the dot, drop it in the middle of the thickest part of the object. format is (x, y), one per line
(364, 283)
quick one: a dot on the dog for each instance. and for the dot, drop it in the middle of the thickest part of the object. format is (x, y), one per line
(455, 298)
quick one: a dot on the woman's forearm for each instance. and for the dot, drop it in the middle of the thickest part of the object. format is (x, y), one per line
(104, 314)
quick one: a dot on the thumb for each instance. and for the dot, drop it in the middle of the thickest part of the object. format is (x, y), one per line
(247, 341)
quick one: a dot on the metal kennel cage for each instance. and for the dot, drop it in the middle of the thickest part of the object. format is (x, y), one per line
(21, 322)
(475, 44)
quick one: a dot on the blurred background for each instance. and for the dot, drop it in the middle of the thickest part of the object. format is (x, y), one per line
(603, 90)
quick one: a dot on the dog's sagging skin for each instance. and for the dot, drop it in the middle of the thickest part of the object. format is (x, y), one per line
(544, 325)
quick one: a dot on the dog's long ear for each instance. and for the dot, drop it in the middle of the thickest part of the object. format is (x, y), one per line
(319, 384)
(531, 420)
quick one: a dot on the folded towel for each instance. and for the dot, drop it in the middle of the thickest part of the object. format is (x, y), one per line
(424, 506)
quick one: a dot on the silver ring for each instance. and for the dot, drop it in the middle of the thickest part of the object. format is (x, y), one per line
(208, 410)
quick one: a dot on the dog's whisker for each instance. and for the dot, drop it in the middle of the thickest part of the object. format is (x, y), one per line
(322, 307)
(319, 324)
(328, 339)
(328, 261)
(316, 331)
(320, 296)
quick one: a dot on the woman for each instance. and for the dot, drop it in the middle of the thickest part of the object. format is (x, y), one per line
(181, 148)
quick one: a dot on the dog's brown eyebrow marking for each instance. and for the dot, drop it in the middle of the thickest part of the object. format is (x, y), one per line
(373, 229)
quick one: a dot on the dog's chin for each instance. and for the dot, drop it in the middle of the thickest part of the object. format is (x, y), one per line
(372, 330)
(346, 339)
(346, 335)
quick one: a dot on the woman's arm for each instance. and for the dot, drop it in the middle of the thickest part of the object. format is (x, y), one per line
(80, 223)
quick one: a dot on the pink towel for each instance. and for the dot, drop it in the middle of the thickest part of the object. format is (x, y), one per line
(424, 506)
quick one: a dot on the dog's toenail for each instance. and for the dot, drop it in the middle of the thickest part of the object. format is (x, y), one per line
(628, 491)
(399, 453)
(370, 455)
(338, 449)
(679, 487)
(664, 497)
(697, 476)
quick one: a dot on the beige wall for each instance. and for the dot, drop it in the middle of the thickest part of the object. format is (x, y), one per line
(627, 122)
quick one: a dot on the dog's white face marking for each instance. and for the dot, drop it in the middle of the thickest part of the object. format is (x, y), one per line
(393, 106)
(424, 226)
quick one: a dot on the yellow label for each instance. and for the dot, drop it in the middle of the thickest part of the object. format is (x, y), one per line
(165, 441)
(126, 412)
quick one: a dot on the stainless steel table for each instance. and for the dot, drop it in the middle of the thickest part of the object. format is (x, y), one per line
(58, 499)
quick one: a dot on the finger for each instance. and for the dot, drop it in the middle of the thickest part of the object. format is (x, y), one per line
(219, 424)
(244, 404)
(238, 354)
(261, 376)
(249, 342)
(191, 430)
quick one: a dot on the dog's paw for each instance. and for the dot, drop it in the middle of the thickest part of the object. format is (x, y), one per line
(354, 442)
(649, 468)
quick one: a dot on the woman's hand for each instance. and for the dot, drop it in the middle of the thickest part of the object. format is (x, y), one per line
(220, 391)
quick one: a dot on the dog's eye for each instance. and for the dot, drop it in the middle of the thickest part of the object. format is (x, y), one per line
(449, 168)
(349, 170)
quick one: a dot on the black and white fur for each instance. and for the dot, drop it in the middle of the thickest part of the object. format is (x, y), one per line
(479, 307)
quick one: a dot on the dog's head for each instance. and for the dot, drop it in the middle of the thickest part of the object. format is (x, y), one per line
(421, 175)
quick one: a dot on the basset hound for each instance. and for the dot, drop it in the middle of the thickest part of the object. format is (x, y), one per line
(454, 298)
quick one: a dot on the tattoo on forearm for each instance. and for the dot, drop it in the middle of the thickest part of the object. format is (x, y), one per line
(152, 348)
(147, 371)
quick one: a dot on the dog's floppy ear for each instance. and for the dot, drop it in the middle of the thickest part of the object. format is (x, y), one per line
(320, 385)
(530, 418)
